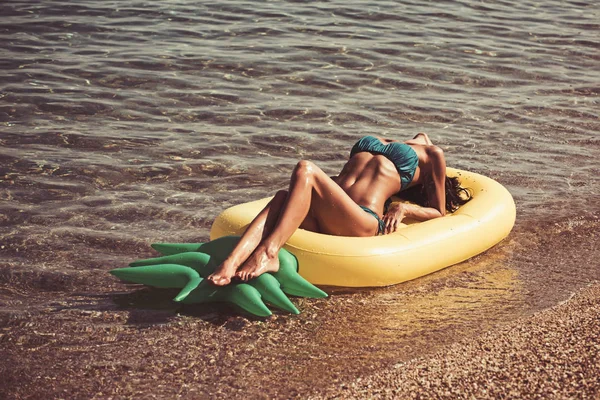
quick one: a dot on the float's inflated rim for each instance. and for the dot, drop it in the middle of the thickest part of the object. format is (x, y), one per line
(414, 250)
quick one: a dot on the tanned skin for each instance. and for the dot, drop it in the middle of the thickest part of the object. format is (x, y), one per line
(330, 205)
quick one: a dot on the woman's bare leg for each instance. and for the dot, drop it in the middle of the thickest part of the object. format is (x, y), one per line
(312, 193)
(262, 224)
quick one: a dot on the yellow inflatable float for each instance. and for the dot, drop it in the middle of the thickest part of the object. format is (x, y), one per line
(414, 250)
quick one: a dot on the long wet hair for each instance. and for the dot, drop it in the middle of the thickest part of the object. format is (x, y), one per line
(456, 195)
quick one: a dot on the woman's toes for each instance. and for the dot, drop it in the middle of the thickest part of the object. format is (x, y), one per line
(219, 280)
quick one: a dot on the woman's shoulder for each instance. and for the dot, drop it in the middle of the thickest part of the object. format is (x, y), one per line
(431, 158)
(435, 160)
(428, 152)
(434, 151)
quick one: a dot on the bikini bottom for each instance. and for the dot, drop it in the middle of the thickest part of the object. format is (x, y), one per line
(381, 228)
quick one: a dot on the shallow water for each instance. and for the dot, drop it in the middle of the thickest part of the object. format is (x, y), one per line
(124, 123)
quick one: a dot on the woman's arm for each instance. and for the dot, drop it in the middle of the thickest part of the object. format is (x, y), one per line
(398, 211)
(416, 212)
(435, 180)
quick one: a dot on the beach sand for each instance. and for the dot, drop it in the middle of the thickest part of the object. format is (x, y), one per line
(69, 349)
(551, 354)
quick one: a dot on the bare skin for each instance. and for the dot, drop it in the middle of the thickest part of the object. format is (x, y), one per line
(319, 203)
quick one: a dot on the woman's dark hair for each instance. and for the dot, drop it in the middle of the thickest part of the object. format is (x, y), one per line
(456, 195)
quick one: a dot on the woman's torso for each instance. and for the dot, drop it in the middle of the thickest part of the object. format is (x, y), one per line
(370, 179)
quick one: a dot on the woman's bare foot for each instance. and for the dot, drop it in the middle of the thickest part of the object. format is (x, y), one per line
(259, 262)
(222, 274)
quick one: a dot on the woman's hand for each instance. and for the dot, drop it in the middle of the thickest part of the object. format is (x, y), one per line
(394, 216)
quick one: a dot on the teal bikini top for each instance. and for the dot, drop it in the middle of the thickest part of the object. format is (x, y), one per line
(402, 155)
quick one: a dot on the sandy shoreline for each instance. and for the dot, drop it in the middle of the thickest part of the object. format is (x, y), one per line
(552, 354)
(68, 349)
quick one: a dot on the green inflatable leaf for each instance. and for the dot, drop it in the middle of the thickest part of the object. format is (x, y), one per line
(185, 265)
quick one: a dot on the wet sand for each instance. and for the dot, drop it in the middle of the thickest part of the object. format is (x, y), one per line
(66, 349)
(552, 354)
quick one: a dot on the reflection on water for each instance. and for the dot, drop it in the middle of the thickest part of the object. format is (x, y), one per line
(419, 317)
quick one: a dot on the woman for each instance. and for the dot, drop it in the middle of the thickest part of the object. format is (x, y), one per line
(350, 204)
